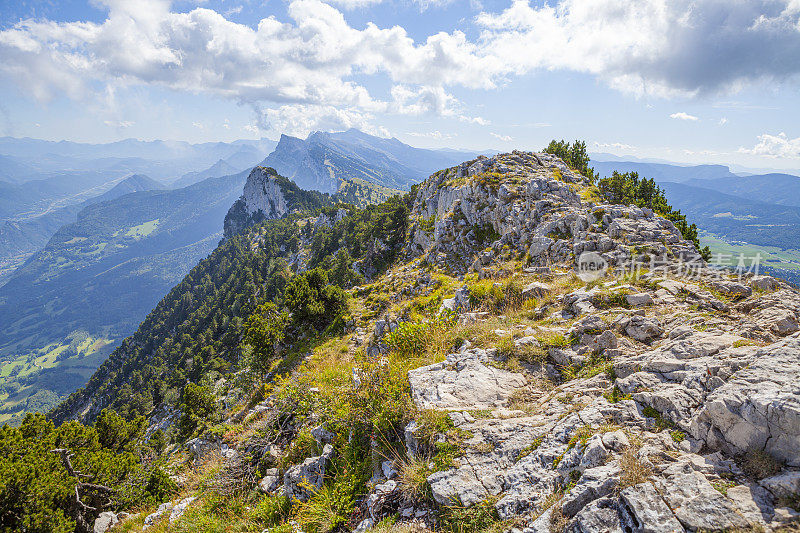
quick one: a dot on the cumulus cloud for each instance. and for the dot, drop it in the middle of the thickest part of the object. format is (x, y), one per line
(310, 60)
(659, 47)
(504, 138)
(684, 116)
(436, 134)
(299, 120)
(777, 146)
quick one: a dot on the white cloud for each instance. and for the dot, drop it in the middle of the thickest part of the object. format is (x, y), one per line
(299, 120)
(436, 134)
(504, 138)
(353, 4)
(654, 47)
(311, 59)
(356, 4)
(617, 146)
(723, 121)
(198, 125)
(118, 124)
(777, 146)
(684, 116)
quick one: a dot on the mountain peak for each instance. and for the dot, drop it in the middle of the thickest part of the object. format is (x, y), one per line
(267, 196)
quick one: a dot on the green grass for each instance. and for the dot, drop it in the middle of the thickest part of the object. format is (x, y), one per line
(771, 256)
(90, 354)
(142, 230)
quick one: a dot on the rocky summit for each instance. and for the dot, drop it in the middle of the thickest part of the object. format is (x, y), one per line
(531, 358)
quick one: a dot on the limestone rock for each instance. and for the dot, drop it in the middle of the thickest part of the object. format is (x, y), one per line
(270, 482)
(300, 480)
(598, 517)
(731, 289)
(641, 328)
(760, 408)
(697, 504)
(764, 283)
(463, 381)
(180, 508)
(753, 502)
(105, 522)
(535, 289)
(644, 510)
(641, 299)
(783, 485)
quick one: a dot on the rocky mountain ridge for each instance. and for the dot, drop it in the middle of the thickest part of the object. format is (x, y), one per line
(497, 390)
(323, 160)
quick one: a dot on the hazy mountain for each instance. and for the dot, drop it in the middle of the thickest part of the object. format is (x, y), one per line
(217, 170)
(99, 276)
(32, 159)
(737, 218)
(664, 172)
(248, 156)
(11, 170)
(21, 238)
(780, 189)
(36, 197)
(322, 160)
(150, 150)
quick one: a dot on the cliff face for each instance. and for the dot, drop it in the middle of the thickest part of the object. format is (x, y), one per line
(262, 199)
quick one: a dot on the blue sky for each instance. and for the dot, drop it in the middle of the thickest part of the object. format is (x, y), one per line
(682, 80)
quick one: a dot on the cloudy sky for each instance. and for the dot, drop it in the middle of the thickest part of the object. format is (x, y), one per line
(683, 80)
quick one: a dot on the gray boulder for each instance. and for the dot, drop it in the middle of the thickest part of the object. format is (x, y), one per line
(105, 522)
(644, 510)
(301, 481)
(463, 381)
(759, 408)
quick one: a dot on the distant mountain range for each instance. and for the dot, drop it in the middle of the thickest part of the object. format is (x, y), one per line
(745, 212)
(104, 242)
(98, 277)
(322, 160)
(19, 239)
(25, 159)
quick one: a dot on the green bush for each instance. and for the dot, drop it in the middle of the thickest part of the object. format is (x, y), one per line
(311, 300)
(263, 331)
(197, 405)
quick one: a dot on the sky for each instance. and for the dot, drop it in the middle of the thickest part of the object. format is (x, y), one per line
(691, 81)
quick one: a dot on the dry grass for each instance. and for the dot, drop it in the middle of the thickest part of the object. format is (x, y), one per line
(634, 471)
(758, 464)
(413, 478)
(558, 522)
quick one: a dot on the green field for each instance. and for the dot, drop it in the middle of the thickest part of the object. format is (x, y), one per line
(786, 259)
(142, 230)
(24, 384)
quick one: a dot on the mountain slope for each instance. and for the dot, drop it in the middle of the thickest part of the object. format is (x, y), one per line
(737, 218)
(101, 275)
(323, 159)
(490, 379)
(21, 238)
(196, 327)
(217, 170)
(778, 189)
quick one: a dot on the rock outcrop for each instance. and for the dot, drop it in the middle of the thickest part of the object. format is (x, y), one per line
(262, 199)
(657, 394)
